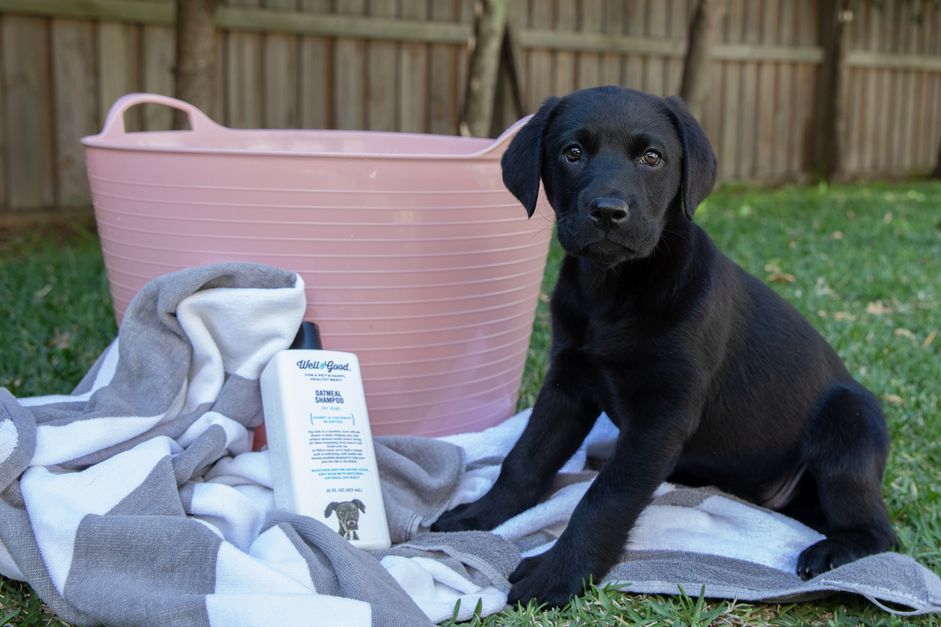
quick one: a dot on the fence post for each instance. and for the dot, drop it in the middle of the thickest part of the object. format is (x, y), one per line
(827, 149)
(700, 40)
(489, 29)
(195, 53)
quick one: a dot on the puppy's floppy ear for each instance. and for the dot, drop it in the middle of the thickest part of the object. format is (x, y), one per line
(329, 510)
(359, 504)
(522, 161)
(699, 161)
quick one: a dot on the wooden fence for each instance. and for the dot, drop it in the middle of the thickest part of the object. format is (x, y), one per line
(400, 65)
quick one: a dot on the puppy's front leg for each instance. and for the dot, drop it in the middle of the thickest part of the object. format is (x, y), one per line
(594, 539)
(562, 417)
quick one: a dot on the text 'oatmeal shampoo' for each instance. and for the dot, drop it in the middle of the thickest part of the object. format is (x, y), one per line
(323, 463)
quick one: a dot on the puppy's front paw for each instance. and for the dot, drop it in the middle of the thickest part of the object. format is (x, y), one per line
(548, 579)
(474, 515)
(823, 556)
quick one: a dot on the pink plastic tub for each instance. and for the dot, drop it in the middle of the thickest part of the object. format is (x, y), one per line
(414, 255)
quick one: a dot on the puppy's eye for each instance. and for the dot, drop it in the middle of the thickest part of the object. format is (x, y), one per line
(572, 153)
(651, 158)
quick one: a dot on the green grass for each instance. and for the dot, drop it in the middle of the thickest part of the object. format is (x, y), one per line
(54, 297)
(862, 262)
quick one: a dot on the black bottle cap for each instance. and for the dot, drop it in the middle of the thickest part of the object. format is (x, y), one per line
(308, 337)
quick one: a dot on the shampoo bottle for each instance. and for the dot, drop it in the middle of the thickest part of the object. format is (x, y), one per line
(323, 464)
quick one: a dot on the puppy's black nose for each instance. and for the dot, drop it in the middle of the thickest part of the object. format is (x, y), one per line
(604, 211)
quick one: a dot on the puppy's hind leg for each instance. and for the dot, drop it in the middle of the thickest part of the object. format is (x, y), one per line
(846, 448)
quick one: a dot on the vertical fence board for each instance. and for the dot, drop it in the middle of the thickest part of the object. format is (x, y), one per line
(465, 15)
(907, 130)
(870, 129)
(76, 111)
(852, 101)
(413, 69)
(612, 15)
(936, 110)
(712, 101)
(935, 50)
(589, 63)
(857, 27)
(929, 31)
(635, 18)
(908, 36)
(4, 143)
(728, 142)
(801, 132)
(713, 106)
(279, 77)
(655, 65)
(920, 123)
(765, 135)
(443, 106)
(118, 74)
(767, 95)
(382, 75)
(929, 149)
(883, 121)
(932, 47)
(752, 83)
(217, 95)
(314, 65)
(349, 87)
(539, 73)
(932, 124)
(157, 72)
(888, 119)
(733, 127)
(563, 79)
(678, 34)
(894, 127)
(783, 87)
(28, 107)
(748, 138)
(244, 93)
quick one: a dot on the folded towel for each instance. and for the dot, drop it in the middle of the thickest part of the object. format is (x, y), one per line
(137, 498)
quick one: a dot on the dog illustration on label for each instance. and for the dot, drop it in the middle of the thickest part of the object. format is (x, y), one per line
(347, 517)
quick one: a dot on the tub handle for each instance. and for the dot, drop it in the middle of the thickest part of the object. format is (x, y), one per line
(114, 122)
(498, 144)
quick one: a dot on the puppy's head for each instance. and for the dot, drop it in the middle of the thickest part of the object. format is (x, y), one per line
(617, 166)
(347, 513)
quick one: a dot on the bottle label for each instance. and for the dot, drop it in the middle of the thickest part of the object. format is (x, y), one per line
(327, 438)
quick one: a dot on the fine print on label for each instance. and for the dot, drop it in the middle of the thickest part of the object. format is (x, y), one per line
(336, 446)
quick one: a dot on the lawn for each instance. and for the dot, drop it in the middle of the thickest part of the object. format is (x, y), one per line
(861, 261)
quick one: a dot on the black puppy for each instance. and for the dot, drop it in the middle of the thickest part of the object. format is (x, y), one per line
(710, 376)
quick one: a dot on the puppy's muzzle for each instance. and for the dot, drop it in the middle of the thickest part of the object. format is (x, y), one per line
(607, 212)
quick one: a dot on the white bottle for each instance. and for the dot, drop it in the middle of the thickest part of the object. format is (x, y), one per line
(323, 463)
